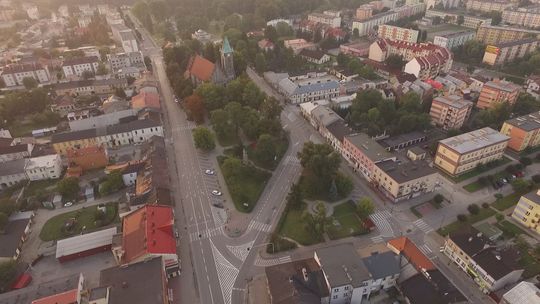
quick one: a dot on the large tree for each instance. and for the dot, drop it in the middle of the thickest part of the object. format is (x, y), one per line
(69, 187)
(204, 139)
(7, 275)
(194, 105)
(364, 207)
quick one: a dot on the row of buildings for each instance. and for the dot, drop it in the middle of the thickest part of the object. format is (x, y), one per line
(366, 26)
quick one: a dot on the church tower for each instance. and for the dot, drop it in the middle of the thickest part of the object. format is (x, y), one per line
(227, 62)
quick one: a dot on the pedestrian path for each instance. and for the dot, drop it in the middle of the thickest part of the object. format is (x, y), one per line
(255, 225)
(271, 262)
(425, 249)
(227, 274)
(241, 251)
(292, 160)
(420, 223)
(381, 221)
(208, 233)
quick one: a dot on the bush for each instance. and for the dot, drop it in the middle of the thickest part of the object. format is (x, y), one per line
(499, 217)
(536, 178)
(485, 205)
(439, 198)
(462, 217)
(498, 196)
(473, 209)
(525, 161)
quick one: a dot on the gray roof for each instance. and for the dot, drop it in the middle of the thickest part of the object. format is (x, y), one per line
(11, 238)
(13, 149)
(97, 293)
(404, 172)
(127, 35)
(474, 140)
(132, 125)
(315, 87)
(382, 265)
(80, 60)
(324, 115)
(12, 167)
(524, 292)
(454, 101)
(527, 122)
(517, 42)
(372, 149)
(342, 265)
(288, 86)
(127, 285)
(402, 139)
(110, 130)
(339, 129)
(533, 196)
(69, 136)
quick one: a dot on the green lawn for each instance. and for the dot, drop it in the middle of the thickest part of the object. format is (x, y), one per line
(349, 223)
(506, 202)
(473, 187)
(246, 187)
(471, 219)
(41, 187)
(84, 217)
(509, 229)
(470, 174)
(294, 227)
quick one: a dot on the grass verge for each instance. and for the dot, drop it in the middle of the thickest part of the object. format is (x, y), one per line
(509, 229)
(348, 223)
(474, 172)
(295, 228)
(483, 214)
(506, 202)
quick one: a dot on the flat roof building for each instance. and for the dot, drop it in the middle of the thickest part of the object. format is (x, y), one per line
(527, 211)
(450, 112)
(497, 91)
(524, 131)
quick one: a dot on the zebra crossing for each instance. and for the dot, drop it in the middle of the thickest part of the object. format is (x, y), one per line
(381, 221)
(187, 127)
(292, 160)
(205, 234)
(425, 249)
(255, 225)
(227, 274)
(422, 225)
(271, 262)
(377, 239)
(241, 251)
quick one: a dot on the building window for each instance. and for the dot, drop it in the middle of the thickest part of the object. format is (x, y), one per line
(336, 289)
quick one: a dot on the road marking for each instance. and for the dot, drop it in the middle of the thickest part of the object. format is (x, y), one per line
(255, 225)
(380, 220)
(227, 274)
(420, 223)
(271, 262)
(425, 249)
(205, 234)
(241, 251)
(377, 239)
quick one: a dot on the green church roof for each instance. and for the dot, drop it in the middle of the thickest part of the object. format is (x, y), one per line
(226, 49)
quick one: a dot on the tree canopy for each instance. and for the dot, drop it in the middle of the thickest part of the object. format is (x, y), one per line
(204, 139)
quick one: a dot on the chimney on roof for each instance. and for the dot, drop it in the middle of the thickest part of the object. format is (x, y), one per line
(124, 284)
(470, 239)
(479, 234)
(304, 274)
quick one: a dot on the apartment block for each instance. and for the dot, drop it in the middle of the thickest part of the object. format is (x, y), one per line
(400, 181)
(328, 19)
(468, 20)
(497, 91)
(526, 16)
(363, 153)
(527, 211)
(398, 33)
(450, 112)
(491, 267)
(459, 154)
(491, 34)
(524, 131)
(14, 74)
(364, 12)
(77, 66)
(453, 40)
(125, 60)
(509, 51)
(44, 167)
(367, 26)
(488, 6)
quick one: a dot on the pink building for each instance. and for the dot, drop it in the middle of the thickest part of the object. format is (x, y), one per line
(363, 153)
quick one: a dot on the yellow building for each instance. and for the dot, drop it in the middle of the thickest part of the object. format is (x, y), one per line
(492, 34)
(527, 211)
(62, 142)
(462, 153)
(524, 131)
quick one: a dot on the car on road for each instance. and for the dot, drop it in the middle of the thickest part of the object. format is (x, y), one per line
(216, 193)
(176, 99)
(68, 204)
(209, 172)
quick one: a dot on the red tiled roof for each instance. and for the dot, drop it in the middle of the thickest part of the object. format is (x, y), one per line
(201, 68)
(149, 230)
(68, 297)
(145, 100)
(407, 248)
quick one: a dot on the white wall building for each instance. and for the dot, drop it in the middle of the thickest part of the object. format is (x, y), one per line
(125, 60)
(44, 167)
(14, 74)
(331, 20)
(77, 66)
(129, 41)
(453, 40)
(12, 172)
(398, 33)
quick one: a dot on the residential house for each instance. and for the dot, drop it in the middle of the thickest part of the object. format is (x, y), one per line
(497, 91)
(75, 67)
(12, 173)
(297, 45)
(13, 152)
(450, 112)
(317, 56)
(384, 268)
(120, 61)
(44, 167)
(363, 153)
(533, 85)
(88, 158)
(347, 278)
(63, 104)
(524, 292)
(14, 74)
(134, 246)
(145, 100)
(524, 131)
(90, 87)
(329, 19)
(491, 268)
(527, 211)
(72, 292)
(470, 21)
(337, 131)
(266, 45)
(459, 154)
(488, 6)
(119, 285)
(15, 233)
(309, 88)
(108, 119)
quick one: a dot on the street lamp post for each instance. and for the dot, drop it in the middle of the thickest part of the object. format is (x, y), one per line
(260, 245)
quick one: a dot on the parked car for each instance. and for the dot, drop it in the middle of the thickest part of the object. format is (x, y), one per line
(216, 193)
(209, 172)
(68, 204)
(519, 174)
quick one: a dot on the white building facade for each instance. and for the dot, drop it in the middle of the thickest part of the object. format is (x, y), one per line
(44, 167)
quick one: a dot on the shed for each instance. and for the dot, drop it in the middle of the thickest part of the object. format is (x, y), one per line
(84, 245)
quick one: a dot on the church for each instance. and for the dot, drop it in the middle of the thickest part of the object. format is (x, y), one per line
(201, 70)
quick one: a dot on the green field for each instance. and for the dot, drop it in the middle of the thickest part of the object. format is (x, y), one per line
(294, 227)
(349, 223)
(506, 202)
(85, 217)
(471, 219)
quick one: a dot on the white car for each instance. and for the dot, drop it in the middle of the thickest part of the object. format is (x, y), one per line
(209, 172)
(216, 193)
(68, 204)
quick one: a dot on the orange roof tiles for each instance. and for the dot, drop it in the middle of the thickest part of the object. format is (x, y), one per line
(149, 230)
(68, 297)
(407, 248)
(201, 68)
(145, 100)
